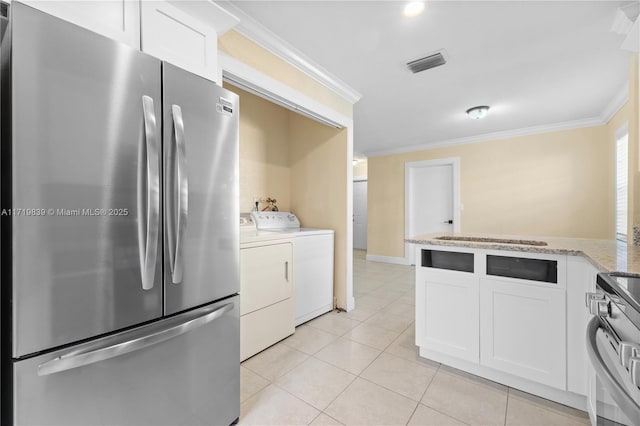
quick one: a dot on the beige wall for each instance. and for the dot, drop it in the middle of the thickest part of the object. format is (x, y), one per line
(264, 151)
(318, 186)
(552, 184)
(236, 45)
(360, 169)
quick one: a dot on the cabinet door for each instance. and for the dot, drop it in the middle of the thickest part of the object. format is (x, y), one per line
(447, 312)
(581, 278)
(116, 19)
(522, 330)
(174, 36)
(265, 276)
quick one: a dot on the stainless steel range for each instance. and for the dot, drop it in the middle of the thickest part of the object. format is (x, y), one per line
(613, 341)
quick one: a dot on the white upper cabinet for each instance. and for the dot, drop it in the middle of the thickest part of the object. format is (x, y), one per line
(185, 34)
(116, 19)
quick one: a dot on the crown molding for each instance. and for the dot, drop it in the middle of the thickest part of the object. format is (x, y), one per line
(616, 103)
(545, 128)
(275, 90)
(258, 33)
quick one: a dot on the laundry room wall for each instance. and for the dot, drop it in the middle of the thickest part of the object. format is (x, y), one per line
(318, 190)
(264, 151)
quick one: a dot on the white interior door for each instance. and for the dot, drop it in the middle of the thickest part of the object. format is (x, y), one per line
(360, 215)
(429, 200)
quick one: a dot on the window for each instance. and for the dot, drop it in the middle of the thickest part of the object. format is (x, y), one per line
(622, 164)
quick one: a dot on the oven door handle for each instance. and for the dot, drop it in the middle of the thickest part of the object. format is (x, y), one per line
(617, 391)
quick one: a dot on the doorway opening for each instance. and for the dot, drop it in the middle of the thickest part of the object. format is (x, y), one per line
(432, 199)
(360, 213)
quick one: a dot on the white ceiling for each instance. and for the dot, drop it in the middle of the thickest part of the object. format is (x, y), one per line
(535, 63)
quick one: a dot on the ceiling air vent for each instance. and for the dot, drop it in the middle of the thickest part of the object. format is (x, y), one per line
(427, 62)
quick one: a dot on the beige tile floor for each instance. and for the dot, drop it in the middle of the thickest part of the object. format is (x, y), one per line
(362, 368)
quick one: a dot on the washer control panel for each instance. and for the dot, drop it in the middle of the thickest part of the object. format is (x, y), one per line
(275, 221)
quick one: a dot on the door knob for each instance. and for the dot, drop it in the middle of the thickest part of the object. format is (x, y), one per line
(450, 222)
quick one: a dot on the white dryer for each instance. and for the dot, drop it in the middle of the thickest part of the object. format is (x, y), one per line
(313, 257)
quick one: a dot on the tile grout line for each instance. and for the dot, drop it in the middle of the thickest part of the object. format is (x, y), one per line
(506, 408)
(338, 396)
(299, 399)
(435, 409)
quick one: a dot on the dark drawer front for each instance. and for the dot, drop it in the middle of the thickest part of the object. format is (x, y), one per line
(450, 260)
(522, 268)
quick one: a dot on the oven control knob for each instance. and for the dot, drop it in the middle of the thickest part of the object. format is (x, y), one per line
(601, 308)
(634, 370)
(592, 296)
(626, 351)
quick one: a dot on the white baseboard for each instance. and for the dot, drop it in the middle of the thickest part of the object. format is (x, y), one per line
(387, 259)
(351, 304)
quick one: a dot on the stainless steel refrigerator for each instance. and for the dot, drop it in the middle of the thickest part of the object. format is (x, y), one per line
(119, 233)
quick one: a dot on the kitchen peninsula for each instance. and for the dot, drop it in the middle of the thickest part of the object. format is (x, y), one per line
(606, 255)
(511, 309)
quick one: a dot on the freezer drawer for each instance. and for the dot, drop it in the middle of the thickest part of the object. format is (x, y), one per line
(192, 378)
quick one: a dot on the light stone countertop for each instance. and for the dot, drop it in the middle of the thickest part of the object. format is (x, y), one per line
(606, 255)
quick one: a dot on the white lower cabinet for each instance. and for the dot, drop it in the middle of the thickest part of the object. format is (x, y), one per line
(522, 330)
(581, 279)
(447, 312)
(514, 317)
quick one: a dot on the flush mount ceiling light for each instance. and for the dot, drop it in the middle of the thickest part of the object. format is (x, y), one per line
(478, 112)
(413, 9)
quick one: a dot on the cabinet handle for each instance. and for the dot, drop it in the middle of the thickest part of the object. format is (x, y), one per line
(286, 270)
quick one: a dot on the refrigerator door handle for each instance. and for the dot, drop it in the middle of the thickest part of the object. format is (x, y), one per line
(149, 209)
(182, 188)
(112, 349)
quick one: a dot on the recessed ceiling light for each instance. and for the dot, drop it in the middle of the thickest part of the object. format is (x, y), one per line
(478, 112)
(413, 9)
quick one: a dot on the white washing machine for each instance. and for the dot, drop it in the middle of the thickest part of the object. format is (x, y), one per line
(312, 262)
